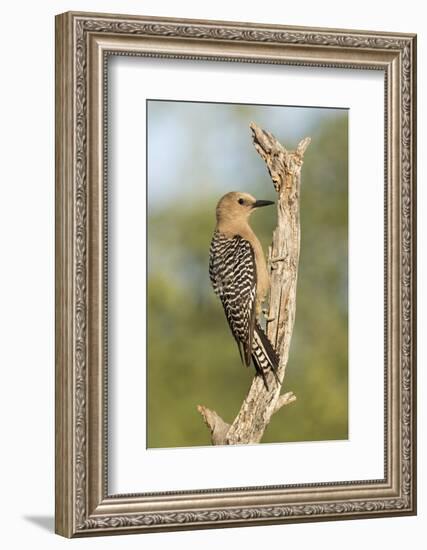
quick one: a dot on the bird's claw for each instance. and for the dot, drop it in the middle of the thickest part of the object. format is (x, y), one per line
(274, 261)
(266, 316)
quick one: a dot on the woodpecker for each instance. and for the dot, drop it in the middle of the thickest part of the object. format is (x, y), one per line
(239, 276)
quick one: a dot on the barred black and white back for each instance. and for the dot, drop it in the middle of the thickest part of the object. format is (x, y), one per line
(232, 270)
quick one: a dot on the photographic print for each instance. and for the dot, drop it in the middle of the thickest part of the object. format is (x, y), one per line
(245, 343)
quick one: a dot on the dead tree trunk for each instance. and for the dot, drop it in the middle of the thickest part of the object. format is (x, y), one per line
(259, 405)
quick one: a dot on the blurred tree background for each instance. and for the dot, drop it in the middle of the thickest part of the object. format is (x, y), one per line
(196, 153)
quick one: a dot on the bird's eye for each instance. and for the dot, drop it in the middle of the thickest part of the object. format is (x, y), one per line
(241, 201)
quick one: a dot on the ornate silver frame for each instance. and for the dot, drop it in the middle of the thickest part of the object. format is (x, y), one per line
(83, 42)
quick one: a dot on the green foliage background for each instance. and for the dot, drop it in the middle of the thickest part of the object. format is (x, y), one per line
(196, 153)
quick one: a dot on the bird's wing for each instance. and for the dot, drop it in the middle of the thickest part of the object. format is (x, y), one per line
(233, 274)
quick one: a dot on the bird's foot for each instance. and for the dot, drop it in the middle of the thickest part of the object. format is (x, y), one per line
(274, 261)
(267, 318)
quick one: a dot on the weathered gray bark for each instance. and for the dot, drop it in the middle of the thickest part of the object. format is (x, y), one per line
(259, 405)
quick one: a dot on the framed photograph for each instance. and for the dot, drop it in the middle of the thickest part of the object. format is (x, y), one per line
(235, 274)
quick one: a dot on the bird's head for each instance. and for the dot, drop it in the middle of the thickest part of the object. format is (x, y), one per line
(237, 206)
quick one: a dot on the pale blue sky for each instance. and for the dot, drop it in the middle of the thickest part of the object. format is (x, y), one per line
(207, 147)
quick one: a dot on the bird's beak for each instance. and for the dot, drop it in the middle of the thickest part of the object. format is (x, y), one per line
(257, 204)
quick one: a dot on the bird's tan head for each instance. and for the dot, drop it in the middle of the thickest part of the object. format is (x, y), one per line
(236, 206)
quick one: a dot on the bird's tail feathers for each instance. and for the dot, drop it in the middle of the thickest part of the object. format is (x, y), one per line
(264, 355)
